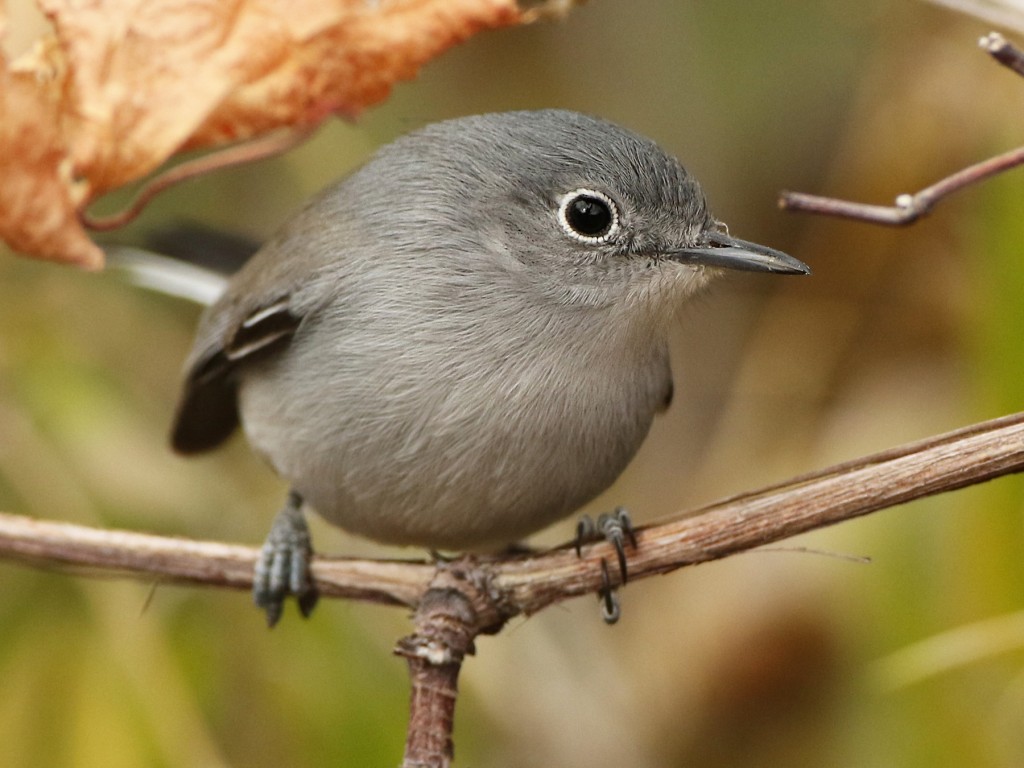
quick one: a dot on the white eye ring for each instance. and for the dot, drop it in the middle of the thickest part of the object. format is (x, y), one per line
(595, 221)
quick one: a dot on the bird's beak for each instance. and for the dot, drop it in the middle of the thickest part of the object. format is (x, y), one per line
(722, 250)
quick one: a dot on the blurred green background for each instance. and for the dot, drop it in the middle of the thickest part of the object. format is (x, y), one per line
(771, 658)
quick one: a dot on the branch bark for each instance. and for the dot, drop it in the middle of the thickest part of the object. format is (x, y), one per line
(456, 601)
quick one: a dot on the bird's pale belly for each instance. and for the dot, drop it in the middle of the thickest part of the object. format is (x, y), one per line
(455, 472)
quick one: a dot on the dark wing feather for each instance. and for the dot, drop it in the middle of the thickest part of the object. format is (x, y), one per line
(208, 409)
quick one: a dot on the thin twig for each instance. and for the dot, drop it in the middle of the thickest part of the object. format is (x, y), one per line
(908, 208)
(206, 563)
(251, 151)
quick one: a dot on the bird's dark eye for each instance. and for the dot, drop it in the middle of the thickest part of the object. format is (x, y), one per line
(588, 216)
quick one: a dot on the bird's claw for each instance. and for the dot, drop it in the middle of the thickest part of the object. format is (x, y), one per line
(615, 528)
(282, 568)
(610, 610)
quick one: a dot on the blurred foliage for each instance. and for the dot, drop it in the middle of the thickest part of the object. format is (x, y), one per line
(769, 659)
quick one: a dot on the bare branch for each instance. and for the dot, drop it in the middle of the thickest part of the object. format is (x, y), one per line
(526, 584)
(207, 563)
(908, 208)
(446, 623)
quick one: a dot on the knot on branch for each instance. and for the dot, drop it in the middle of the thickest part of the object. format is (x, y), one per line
(458, 605)
(445, 627)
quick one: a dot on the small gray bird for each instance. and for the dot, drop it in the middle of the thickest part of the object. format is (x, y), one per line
(464, 340)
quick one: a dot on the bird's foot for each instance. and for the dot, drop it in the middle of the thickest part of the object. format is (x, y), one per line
(282, 568)
(615, 528)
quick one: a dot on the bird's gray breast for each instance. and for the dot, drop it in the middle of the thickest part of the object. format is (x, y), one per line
(453, 425)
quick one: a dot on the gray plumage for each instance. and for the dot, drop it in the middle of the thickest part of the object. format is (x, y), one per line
(431, 356)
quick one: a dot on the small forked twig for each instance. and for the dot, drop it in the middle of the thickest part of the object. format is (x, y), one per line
(908, 208)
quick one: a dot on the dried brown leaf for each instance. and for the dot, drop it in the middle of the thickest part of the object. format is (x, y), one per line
(39, 199)
(124, 84)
